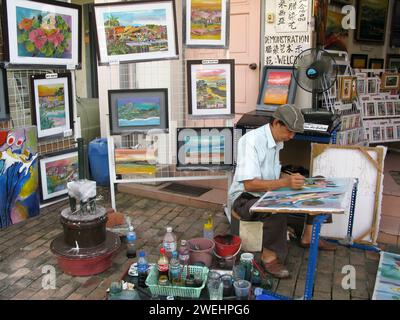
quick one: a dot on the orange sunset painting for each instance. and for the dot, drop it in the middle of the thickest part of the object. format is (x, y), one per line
(277, 88)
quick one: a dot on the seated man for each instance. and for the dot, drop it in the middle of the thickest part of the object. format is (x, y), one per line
(258, 170)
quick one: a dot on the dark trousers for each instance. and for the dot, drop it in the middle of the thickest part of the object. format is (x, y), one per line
(274, 225)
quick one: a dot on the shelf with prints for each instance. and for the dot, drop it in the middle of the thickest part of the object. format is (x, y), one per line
(382, 130)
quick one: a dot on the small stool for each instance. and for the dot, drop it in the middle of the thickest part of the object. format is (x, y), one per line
(251, 232)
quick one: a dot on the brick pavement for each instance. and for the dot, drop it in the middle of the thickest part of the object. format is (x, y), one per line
(25, 250)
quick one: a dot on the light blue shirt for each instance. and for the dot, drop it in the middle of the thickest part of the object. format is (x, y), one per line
(257, 158)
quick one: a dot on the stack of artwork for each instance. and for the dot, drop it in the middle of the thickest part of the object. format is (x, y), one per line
(19, 197)
(387, 283)
(135, 161)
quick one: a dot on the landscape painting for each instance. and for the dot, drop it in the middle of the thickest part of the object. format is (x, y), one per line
(336, 36)
(210, 88)
(371, 20)
(19, 196)
(204, 149)
(52, 110)
(136, 31)
(56, 171)
(277, 90)
(205, 23)
(135, 161)
(317, 195)
(387, 283)
(43, 32)
(138, 109)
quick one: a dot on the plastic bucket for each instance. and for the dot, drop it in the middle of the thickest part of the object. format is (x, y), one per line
(204, 252)
(227, 245)
(98, 161)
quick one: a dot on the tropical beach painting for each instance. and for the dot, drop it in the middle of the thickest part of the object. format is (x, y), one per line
(136, 31)
(43, 32)
(56, 170)
(210, 88)
(205, 23)
(52, 110)
(140, 111)
(387, 283)
(19, 196)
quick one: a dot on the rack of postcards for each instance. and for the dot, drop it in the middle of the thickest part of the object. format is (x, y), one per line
(379, 97)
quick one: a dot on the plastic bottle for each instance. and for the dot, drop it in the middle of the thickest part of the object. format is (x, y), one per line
(175, 270)
(169, 242)
(162, 264)
(142, 267)
(184, 256)
(208, 228)
(131, 243)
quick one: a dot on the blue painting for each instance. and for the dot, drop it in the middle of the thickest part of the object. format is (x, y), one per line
(19, 197)
(387, 283)
(139, 111)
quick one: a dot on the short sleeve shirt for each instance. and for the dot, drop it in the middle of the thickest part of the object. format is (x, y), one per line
(257, 158)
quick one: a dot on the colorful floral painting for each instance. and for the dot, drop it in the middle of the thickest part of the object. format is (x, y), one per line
(387, 283)
(19, 197)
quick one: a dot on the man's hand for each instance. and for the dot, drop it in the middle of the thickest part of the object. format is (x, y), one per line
(294, 181)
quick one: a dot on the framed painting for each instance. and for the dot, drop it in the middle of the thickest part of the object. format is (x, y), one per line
(393, 62)
(56, 170)
(211, 87)
(42, 32)
(395, 28)
(278, 87)
(359, 61)
(206, 23)
(390, 81)
(52, 110)
(136, 31)
(371, 21)
(204, 148)
(336, 36)
(346, 88)
(376, 63)
(138, 110)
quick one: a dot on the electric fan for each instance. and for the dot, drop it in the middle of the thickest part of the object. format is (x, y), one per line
(316, 73)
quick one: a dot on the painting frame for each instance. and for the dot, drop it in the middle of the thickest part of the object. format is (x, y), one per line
(359, 61)
(4, 100)
(269, 74)
(393, 62)
(45, 195)
(151, 95)
(365, 11)
(189, 39)
(208, 161)
(376, 63)
(212, 72)
(27, 41)
(49, 80)
(390, 81)
(395, 27)
(161, 9)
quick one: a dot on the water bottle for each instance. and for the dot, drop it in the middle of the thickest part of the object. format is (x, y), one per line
(183, 255)
(175, 270)
(169, 242)
(142, 267)
(131, 243)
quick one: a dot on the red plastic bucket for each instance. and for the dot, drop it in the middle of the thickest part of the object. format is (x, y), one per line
(227, 245)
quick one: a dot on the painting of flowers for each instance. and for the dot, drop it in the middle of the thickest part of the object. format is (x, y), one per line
(210, 87)
(52, 108)
(139, 31)
(206, 23)
(56, 170)
(43, 32)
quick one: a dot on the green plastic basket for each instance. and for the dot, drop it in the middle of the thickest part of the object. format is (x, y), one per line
(177, 291)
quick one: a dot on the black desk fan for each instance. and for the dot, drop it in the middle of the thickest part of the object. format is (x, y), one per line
(317, 73)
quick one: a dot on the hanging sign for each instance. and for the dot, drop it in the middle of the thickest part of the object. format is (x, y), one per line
(292, 15)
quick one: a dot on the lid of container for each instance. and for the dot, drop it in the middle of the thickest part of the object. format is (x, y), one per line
(131, 236)
(169, 229)
(162, 250)
(208, 226)
(141, 253)
(174, 254)
(183, 242)
(163, 279)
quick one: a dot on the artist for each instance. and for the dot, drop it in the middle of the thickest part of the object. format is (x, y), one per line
(258, 170)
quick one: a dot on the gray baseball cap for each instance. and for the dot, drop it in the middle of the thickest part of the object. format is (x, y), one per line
(291, 116)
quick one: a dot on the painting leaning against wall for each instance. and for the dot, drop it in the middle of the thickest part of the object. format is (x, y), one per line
(19, 198)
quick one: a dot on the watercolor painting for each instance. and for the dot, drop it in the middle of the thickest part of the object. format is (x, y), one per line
(135, 161)
(205, 23)
(19, 197)
(211, 88)
(140, 111)
(317, 194)
(56, 171)
(136, 31)
(371, 20)
(335, 36)
(204, 149)
(52, 106)
(387, 283)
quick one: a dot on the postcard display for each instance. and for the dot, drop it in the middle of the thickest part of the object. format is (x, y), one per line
(45, 36)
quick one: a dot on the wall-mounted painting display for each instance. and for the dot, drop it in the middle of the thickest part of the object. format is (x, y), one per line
(52, 110)
(56, 170)
(211, 87)
(19, 197)
(376, 64)
(138, 110)
(371, 20)
(206, 23)
(136, 31)
(42, 32)
(359, 61)
(395, 29)
(204, 148)
(277, 87)
(335, 35)
(393, 62)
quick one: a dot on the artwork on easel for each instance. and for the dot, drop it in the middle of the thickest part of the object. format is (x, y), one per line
(387, 283)
(317, 195)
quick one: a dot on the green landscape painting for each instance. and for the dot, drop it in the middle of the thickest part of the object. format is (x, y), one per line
(138, 111)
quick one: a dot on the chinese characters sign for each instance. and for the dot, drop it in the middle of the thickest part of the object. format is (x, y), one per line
(291, 15)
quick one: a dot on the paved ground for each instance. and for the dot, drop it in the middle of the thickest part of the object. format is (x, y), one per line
(24, 250)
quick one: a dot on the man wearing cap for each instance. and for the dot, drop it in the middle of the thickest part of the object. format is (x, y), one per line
(258, 170)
